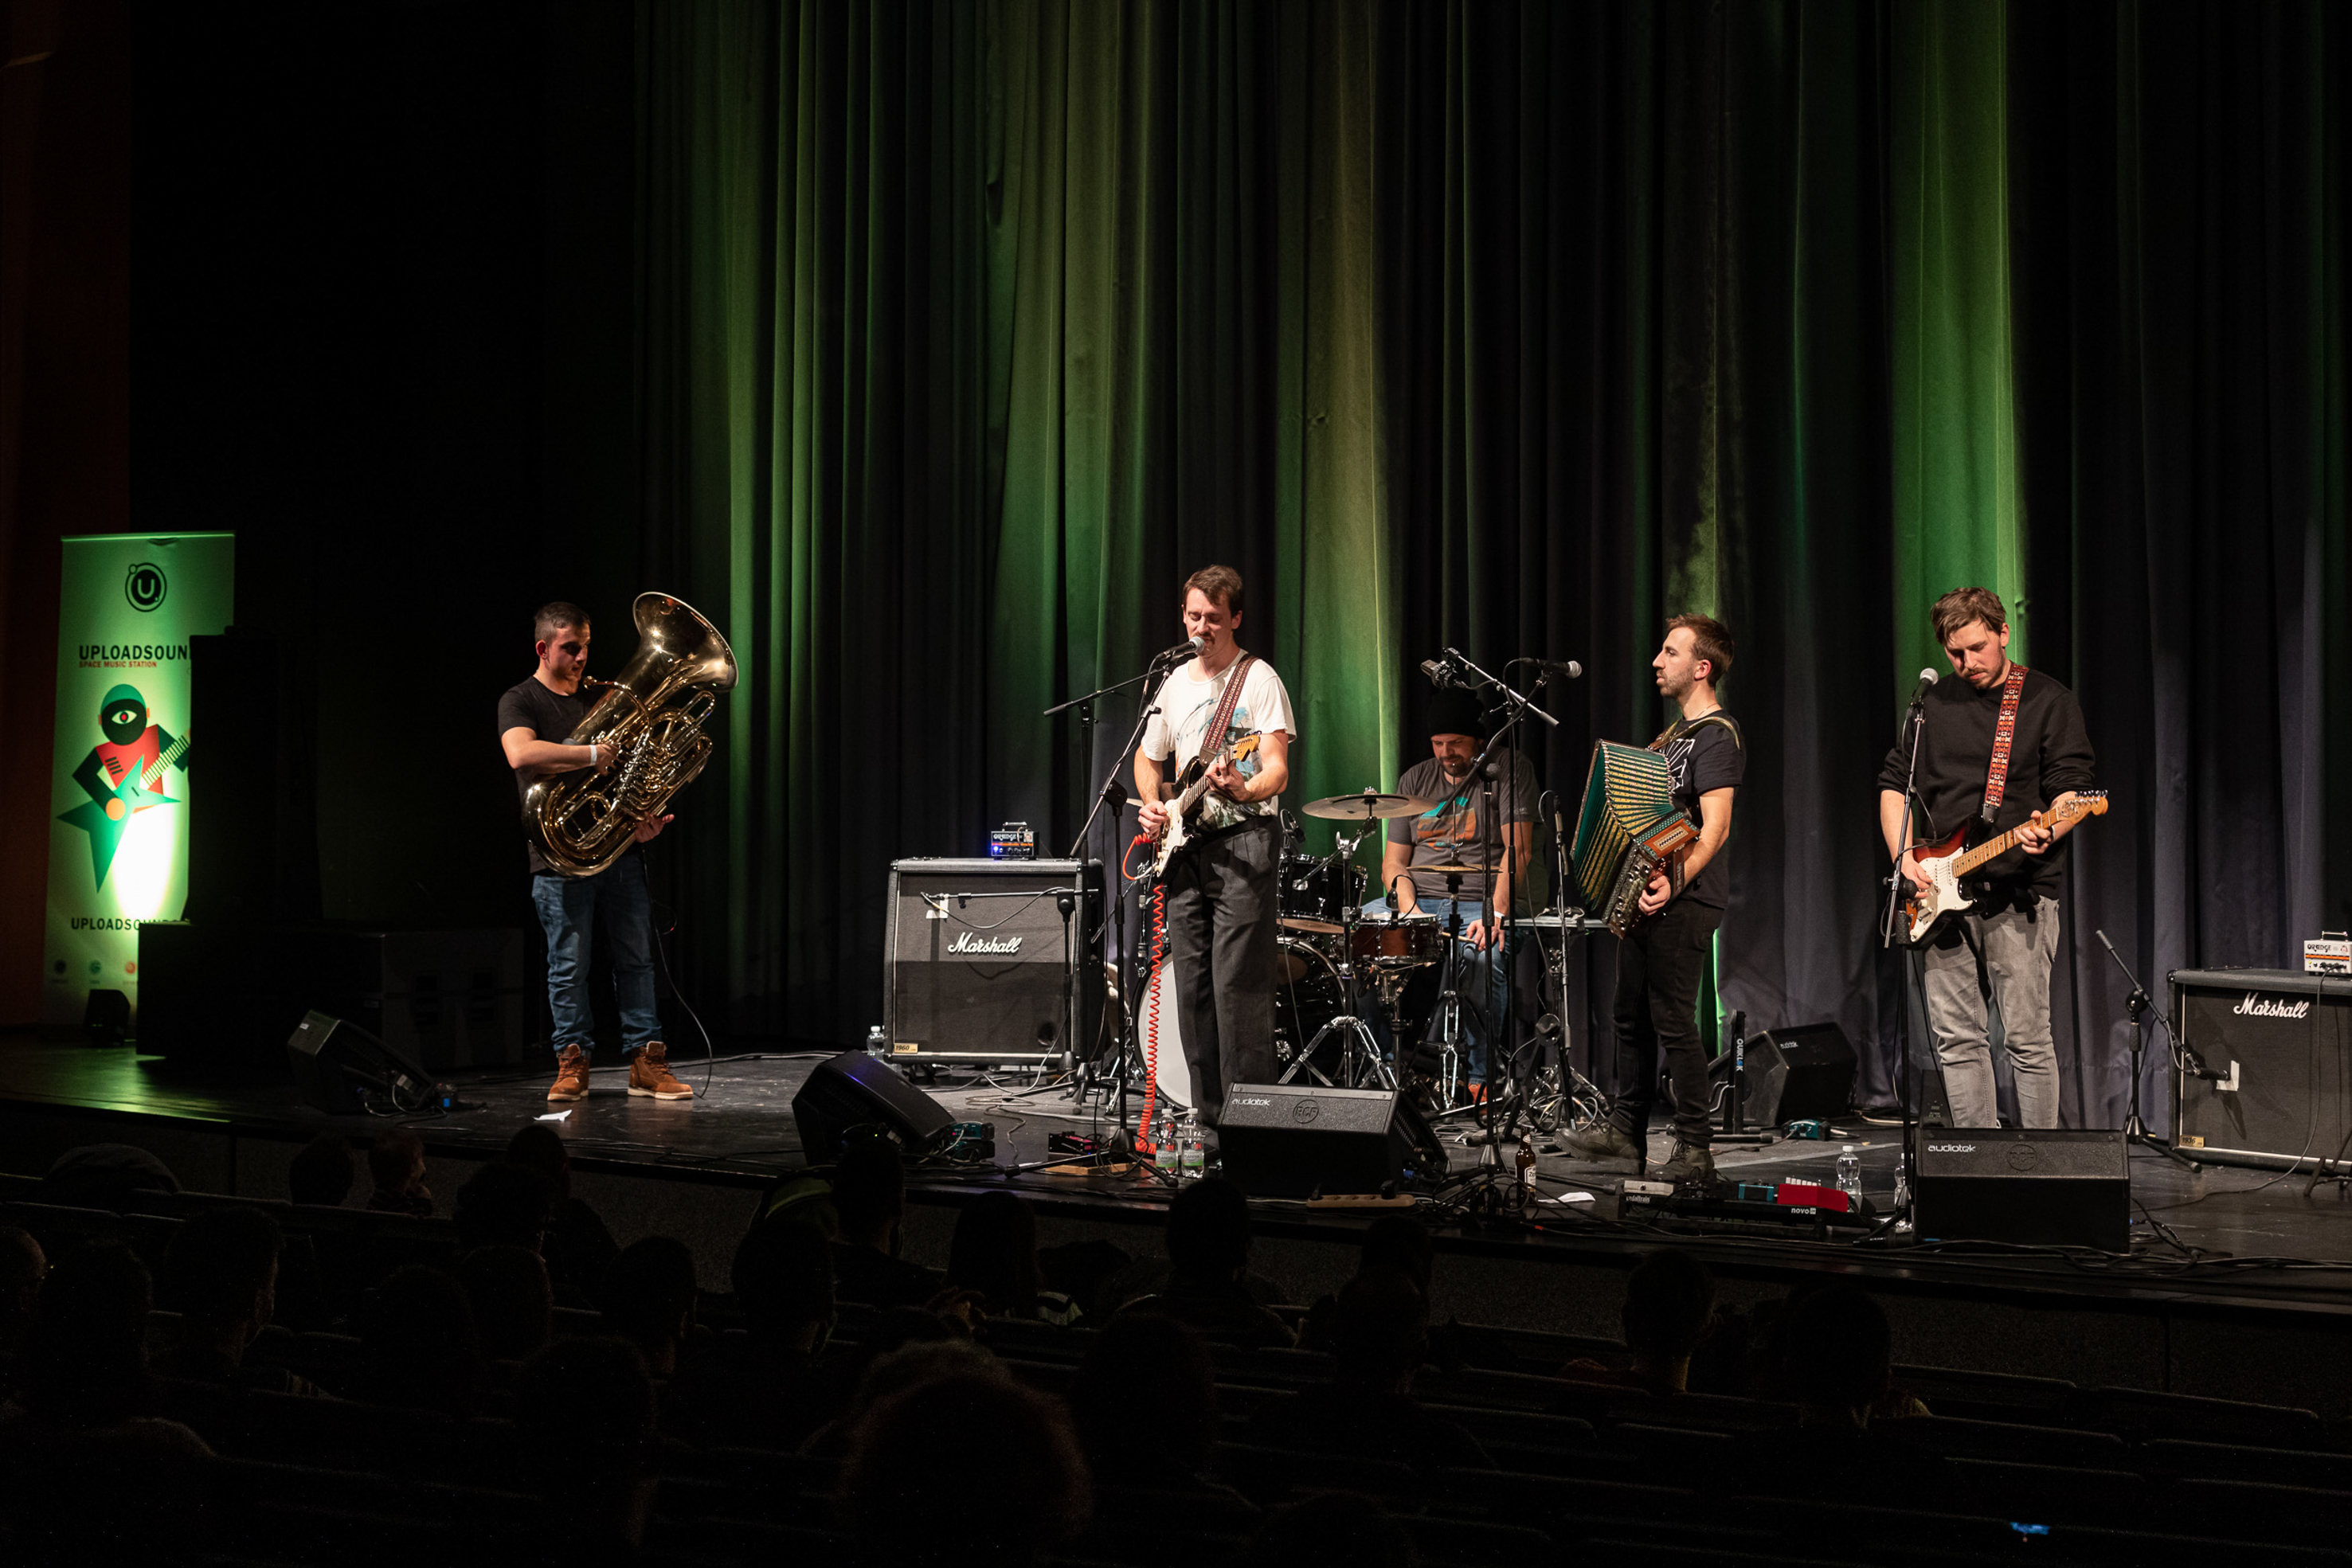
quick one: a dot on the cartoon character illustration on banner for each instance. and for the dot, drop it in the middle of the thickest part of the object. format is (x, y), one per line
(123, 775)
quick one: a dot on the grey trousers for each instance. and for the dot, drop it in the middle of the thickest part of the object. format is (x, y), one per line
(2019, 949)
(1221, 931)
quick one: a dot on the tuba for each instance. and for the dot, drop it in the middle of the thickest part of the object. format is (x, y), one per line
(652, 715)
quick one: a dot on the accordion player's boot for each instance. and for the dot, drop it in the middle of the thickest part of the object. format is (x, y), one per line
(1606, 1143)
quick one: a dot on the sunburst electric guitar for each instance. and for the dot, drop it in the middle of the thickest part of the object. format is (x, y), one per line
(1184, 808)
(1948, 863)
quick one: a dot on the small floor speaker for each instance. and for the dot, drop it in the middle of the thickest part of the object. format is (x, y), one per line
(1793, 1075)
(1295, 1140)
(854, 1090)
(2068, 1187)
(339, 1065)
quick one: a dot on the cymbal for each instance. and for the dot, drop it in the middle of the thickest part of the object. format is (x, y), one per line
(1366, 806)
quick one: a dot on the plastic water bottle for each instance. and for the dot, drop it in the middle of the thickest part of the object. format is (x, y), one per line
(877, 1042)
(1188, 1148)
(1850, 1177)
(1902, 1193)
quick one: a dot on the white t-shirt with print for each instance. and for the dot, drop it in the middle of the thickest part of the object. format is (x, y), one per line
(1187, 702)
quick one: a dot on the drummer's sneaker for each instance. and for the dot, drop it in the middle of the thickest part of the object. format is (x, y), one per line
(1689, 1166)
(1607, 1144)
(650, 1073)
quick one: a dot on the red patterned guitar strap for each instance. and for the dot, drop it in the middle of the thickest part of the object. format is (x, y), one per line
(2004, 736)
(1231, 698)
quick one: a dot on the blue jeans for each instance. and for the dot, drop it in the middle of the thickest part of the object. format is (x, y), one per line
(1481, 978)
(568, 907)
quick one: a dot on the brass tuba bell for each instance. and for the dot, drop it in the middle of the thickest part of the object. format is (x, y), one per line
(652, 715)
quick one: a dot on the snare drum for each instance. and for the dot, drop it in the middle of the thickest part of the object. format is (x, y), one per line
(1317, 893)
(1392, 941)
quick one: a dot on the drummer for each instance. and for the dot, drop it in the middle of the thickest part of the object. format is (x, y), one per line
(1450, 834)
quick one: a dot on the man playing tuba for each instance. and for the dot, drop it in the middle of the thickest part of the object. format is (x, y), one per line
(550, 702)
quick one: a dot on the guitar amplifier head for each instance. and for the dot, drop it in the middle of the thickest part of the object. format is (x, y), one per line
(2282, 1043)
(976, 954)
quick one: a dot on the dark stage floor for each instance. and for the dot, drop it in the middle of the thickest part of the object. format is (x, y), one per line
(739, 1131)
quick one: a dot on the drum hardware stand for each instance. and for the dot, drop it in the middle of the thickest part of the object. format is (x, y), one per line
(1359, 1052)
(2135, 1009)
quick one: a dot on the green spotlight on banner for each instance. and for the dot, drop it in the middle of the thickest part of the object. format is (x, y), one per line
(119, 782)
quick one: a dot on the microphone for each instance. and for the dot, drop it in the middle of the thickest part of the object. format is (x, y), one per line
(1927, 678)
(1566, 669)
(1443, 673)
(1183, 650)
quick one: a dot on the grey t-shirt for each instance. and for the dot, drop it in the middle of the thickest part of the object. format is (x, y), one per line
(1449, 831)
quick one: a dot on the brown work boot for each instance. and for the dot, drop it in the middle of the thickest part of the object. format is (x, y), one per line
(571, 1074)
(650, 1073)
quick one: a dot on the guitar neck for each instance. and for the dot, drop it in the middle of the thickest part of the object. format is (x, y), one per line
(154, 770)
(1963, 864)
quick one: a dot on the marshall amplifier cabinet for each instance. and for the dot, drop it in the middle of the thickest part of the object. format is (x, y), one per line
(977, 959)
(2278, 1045)
(2042, 1189)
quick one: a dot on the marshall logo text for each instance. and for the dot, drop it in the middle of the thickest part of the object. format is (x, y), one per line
(2273, 1007)
(966, 942)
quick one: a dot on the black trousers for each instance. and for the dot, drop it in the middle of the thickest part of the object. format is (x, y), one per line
(1222, 926)
(1658, 971)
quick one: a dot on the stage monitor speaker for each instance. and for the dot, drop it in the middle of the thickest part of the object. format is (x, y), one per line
(338, 1066)
(976, 970)
(854, 1090)
(2045, 1188)
(2283, 1038)
(1294, 1140)
(1793, 1074)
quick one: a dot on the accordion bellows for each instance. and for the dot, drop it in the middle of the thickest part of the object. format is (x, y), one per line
(1627, 829)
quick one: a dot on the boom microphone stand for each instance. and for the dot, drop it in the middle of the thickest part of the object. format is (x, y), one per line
(2136, 1007)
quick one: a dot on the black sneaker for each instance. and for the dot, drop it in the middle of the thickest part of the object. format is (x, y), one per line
(1689, 1166)
(1607, 1144)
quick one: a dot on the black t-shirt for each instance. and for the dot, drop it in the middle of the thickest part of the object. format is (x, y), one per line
(1706, 753)
(551, 716)
(2049, 756)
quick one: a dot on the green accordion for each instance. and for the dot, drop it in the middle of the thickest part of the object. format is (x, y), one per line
(1628, 829)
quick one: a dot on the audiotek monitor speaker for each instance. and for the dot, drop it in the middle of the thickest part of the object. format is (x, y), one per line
(2049, 1188)
(339, 1067)
(854, 1090)
(977, 955)
(1794, 1075)
(2280, 1042)
(1295, 1140)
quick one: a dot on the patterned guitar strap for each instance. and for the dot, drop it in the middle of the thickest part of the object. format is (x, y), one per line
(2004, 735)
(1221, 720)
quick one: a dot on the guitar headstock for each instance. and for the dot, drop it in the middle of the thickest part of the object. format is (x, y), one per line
(1248, 742)
(2086, 803)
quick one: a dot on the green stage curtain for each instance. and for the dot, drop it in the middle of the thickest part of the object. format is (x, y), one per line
(967, 331)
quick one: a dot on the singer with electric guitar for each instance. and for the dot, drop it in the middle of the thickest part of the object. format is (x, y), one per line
(1224, 719)
(2005, 772)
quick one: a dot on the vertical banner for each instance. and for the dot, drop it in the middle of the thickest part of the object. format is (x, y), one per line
(120, 779)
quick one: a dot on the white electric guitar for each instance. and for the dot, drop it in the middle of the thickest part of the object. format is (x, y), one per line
(1183, 811)
(1948, 862)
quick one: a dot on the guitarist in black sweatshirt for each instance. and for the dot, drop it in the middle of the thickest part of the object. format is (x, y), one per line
(1223, 913)
(2005, 942)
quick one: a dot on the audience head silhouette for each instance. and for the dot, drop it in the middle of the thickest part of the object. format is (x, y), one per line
(83, 1363)
(995, 1253)
(1837, 1355)
(220, 1273)
(649, 1298)
(869, 1189)
(1149, 1372)
(1002, 1478)
(539, 1147)
(783, 1279)
(1379, 1335)
(584, 1413)
(1669, 1300)
(1209, 1232)
(1399, 1245)
(23, 1267)
(422, 1351)
(323, 1171)
(396, 1162)
(504, 1205)
(513, 1306)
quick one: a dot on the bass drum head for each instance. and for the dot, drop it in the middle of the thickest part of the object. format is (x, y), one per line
(1308, 997)
(1173, 1071)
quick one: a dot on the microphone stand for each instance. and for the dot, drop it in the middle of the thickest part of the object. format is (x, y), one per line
(1122, 1144)
(1490, 842)
(1905, 1089)
(2135, 1009)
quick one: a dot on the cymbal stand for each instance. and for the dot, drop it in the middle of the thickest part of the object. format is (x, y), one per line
(1360, 1051)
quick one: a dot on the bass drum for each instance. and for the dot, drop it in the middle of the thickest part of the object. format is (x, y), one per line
(1172, 1072)
(1308, 997)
